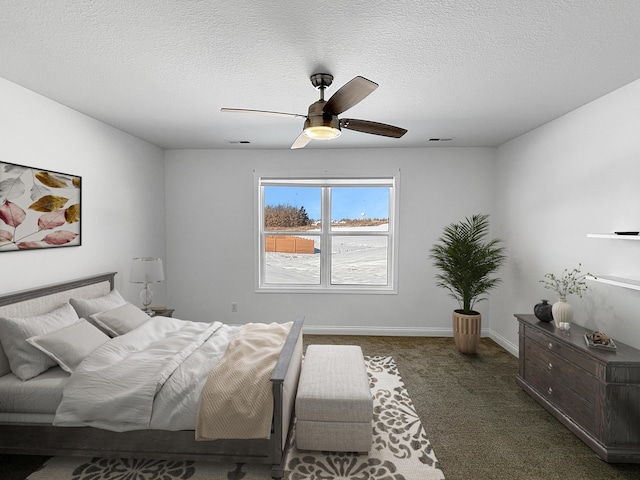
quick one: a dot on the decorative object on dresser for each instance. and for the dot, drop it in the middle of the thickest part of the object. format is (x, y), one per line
(568, 283)
(599, 340)
(595, 393)
(466, 260)
(542, 311)
(38, 208)
(146, 270)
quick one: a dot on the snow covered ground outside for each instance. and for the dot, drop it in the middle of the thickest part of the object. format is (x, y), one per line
(355, 260)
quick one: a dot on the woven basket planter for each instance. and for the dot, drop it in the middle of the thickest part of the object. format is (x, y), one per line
(466, 331)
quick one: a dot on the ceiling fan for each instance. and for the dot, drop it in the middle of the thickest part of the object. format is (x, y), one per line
(322, 122)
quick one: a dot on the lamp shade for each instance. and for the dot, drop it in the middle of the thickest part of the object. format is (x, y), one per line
(146, 270)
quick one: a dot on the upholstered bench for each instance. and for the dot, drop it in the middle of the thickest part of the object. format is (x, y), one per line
(334, 407)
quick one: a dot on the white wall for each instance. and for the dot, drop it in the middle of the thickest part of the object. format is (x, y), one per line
(544, 190)
(210, 228)
(576, 175)
(122, 191)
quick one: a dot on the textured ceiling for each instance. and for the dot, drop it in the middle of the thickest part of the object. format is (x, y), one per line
(479, 72)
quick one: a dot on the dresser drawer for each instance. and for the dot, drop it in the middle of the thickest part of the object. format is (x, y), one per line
(578, 408)
(582, 382)
(565, 351)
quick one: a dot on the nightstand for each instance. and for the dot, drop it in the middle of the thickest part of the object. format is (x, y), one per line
(162, 312)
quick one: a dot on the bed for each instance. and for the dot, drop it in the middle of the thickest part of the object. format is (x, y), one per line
(33, 432)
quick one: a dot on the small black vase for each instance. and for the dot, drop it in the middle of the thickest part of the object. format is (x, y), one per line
(542, 311)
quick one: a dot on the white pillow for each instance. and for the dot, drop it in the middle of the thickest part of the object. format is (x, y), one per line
(25, 360)
(85, 307)
(70, 345)
(120, 320)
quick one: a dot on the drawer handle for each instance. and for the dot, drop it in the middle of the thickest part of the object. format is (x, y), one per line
(550, 391)
(550, 345)
(550, 365)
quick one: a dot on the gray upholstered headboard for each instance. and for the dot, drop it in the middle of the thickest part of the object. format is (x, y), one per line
(40, 300)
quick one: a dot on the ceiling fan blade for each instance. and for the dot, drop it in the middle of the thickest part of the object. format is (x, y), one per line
(300, 142)
(351, 93)
(263, 112)
(375, 128)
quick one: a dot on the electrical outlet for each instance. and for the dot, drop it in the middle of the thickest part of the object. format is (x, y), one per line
(234, 307)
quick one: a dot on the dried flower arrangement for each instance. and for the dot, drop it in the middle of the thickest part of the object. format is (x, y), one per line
(568, 283)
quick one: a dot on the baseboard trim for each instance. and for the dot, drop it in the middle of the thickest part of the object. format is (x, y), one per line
(504, 343)
(379, 331)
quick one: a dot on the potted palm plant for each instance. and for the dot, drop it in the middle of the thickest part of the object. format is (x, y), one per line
(466, 261)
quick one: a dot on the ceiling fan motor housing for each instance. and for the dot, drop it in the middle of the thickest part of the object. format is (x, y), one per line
(320, 125)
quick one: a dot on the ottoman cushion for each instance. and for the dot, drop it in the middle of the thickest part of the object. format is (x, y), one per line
(334, 407)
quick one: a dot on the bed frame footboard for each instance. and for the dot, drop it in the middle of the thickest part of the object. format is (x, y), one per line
(285, 385)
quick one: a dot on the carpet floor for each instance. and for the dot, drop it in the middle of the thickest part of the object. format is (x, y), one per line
(480, 424)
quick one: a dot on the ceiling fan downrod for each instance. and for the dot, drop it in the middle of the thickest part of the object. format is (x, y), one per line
(320, 125)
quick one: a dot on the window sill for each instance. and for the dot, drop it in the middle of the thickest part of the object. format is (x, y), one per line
(331, 290)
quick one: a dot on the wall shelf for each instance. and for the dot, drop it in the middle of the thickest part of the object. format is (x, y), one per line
(631, 283)
(613, 236)
(617, 281)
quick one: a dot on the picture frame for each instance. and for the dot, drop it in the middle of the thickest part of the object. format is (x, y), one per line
(39, 208)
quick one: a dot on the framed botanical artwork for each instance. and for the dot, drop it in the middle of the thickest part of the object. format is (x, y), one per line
(38, 208)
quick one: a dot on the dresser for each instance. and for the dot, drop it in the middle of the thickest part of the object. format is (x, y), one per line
(594, 393)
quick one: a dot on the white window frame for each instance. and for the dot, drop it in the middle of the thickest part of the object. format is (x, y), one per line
(325, 286)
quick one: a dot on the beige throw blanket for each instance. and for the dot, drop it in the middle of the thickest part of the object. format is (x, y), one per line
(237, 399)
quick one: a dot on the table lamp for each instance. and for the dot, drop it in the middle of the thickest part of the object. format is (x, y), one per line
(146, 270)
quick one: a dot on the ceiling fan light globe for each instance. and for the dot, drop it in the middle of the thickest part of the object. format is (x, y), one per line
(321, 132)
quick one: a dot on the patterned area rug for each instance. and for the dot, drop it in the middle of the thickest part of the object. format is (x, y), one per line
(400, 450)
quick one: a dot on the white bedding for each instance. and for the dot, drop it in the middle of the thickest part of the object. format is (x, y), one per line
(22, 418)
(136, 381)
(41, 394)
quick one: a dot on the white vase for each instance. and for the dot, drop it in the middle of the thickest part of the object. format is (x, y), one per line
(562, 314)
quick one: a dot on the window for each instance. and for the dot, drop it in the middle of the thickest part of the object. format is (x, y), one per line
(326, 234)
